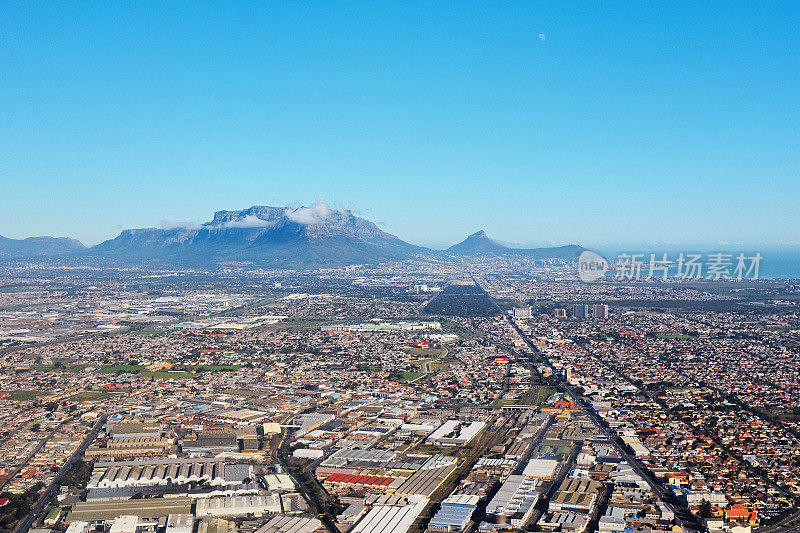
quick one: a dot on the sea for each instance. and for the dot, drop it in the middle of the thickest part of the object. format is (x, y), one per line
(777, 262)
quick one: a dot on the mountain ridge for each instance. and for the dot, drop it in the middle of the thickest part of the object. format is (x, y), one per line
(272, 237)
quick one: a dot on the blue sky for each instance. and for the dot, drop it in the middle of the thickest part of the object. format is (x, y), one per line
(621, 122)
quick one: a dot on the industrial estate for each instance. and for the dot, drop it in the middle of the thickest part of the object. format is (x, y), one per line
(484, 393)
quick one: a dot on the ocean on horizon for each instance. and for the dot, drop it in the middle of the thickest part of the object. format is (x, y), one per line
(778, 262)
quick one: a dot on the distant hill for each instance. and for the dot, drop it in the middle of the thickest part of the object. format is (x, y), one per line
(477, 243)
(272, 237)
(480, 244)
(38, 247)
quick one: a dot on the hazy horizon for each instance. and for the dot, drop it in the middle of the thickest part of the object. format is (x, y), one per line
(440, 245)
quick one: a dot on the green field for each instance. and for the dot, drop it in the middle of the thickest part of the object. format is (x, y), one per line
(779, 329)
(507, 401)
(142, 372)
(674, 336)
(130, 369)
(405, 377)
(423, 352)
(540, 393)
(547, 449)
(430, 449)
(24, 395)
(60, 364)
(166, 374)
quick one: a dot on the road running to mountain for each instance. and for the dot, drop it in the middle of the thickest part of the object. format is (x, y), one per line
(52, 488)
(682, 515)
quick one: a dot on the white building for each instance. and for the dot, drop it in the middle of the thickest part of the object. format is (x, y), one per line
(258, 505)
(279, 482)
(540, 468)
(77, 526)
(180, 523)
(124, 524)
(522, 312)
(307, 453)
(385, 518)
(455, 433)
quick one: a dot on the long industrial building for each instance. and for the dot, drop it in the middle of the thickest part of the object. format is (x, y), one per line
(163, 472)
(391, 519)
(257, 505)
(151, 508)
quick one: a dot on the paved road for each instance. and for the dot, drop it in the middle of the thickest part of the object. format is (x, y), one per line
(320, 507)
(30, 455)
(50, 491)
(682, 514)
(782, 526)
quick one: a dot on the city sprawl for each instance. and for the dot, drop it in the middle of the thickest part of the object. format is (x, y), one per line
(485, 394)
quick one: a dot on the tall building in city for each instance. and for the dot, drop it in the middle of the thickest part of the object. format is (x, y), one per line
(559, 313)
(600, 311)
(580, 311)
(522, 312)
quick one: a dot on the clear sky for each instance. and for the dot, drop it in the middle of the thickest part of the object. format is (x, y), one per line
(558, 121)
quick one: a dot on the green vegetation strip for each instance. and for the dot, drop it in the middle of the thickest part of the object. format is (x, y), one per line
(423, 352)
(24, 395)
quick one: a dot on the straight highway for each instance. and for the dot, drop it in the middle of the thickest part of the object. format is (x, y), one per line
(682, 515)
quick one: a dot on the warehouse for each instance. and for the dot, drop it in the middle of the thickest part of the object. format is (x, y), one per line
(256, 505)
(455, 513)
(290, 524)
(424, 482)
(151, 508)
(279, 482)
(162, 472)
(445, 435)
(514, 502)
(310, 421)
(210, 442)
(575, 495)
(128, 429)
(565, 521)
(178, 523)
(360, 457)
(349, 483)
(540, 468)
(390, 519)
